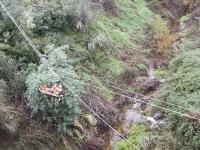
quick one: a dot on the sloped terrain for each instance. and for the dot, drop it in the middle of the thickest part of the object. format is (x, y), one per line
(95, 45)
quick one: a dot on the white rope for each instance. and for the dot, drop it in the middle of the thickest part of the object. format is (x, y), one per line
(137, 100)
(124, 90)
(98, 115)
(49, 67)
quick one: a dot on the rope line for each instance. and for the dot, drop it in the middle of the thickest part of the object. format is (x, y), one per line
(138, 94)
(137, 100)
(98, 115)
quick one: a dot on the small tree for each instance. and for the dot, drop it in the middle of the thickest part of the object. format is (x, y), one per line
(40, 104)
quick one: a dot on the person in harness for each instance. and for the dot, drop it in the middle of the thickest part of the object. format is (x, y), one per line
(55, 92)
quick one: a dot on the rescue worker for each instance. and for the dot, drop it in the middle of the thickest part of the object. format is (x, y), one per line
(56, 92)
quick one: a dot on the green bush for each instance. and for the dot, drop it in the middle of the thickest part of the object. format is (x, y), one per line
(55, 15)
(183, 89)
(3, 90)
(11, 41)
(14, 73)
(8, 123)
(40, 104)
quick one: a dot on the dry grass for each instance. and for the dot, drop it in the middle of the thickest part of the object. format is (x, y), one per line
(164, 38)
(190, 4)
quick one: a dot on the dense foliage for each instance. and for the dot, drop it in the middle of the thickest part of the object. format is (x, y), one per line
(183, 89)
(41, 104)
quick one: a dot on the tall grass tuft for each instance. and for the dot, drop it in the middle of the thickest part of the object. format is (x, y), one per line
(164, 38)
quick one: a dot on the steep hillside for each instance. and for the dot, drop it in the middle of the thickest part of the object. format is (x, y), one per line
(97, 47)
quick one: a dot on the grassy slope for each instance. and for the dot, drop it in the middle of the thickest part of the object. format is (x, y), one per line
(120, 30)
(182, 88)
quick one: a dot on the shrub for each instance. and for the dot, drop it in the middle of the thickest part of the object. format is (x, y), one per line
(8, 123)
(129, 74)
(182, 89)
(40, 104)
(3, 89)
(100, 41)
(160, 140)
(15, 74)
(57, 14)
(163, 37)
(10, 38)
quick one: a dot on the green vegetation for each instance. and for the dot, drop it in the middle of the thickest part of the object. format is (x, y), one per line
(135, 135)
(133, 17)
(108, 41)
(183, 89)
(40, 103)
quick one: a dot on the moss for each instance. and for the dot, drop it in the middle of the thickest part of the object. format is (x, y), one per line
(135, 135)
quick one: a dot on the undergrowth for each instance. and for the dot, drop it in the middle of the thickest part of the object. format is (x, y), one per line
(182, 89)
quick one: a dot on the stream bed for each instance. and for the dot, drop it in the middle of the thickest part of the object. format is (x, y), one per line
(128, 117)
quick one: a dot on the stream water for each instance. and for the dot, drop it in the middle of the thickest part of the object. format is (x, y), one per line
(128, 117)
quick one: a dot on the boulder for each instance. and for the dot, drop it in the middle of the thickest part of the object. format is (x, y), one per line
(150, 86)
(158, 115)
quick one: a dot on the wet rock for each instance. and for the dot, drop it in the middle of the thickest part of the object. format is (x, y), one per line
(151, 123)
(158, 115)
(90, 119)
(149, 86)
(93, 144)
(162, 123)
(132, 117)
